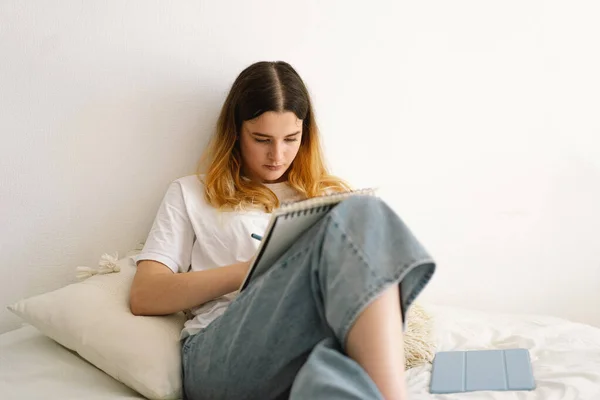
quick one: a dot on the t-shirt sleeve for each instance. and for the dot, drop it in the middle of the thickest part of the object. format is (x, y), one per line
(171, 238)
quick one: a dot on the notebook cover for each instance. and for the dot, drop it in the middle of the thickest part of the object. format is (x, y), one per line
(287, 223)
(466, 371)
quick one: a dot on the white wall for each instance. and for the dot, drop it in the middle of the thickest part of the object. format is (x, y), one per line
(478, 119)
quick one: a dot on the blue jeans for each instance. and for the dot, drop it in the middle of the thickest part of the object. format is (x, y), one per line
(283, 336)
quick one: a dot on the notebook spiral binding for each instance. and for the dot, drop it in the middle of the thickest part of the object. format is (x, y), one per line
(320, 204)
(313, 210)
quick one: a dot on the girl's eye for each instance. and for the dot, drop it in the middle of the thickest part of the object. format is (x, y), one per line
(268, 140)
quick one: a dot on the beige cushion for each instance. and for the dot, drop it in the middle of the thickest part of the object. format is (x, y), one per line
(93, 318)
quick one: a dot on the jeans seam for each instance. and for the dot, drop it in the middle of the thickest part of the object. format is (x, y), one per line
(186, 345)
(293, 256)
(422, 283)
(346, 237)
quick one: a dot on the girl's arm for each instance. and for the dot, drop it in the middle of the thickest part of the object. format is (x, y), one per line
(156, 290)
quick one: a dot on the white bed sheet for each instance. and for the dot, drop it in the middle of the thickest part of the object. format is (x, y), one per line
(565, 355)
(565, 358)
(33, 366)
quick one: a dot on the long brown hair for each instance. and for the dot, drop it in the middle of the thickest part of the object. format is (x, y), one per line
(261, 87)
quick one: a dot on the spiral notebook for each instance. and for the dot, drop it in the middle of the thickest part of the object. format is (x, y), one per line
(288, 223)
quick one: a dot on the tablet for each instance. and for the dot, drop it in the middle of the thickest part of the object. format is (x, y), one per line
(467, 371)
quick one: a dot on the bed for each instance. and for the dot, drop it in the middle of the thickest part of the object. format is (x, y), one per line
(33, 366)
(565, 358)
(565, 355)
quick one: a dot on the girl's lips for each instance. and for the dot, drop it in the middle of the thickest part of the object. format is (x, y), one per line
(274, 167)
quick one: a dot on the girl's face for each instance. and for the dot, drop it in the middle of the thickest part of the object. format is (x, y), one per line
(269, 144)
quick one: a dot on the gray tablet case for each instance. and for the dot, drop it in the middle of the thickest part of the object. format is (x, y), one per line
(466, 371)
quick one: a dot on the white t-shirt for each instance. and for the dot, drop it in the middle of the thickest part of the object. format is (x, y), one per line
(189, 234)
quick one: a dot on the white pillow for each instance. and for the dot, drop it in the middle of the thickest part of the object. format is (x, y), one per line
(93, 318)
